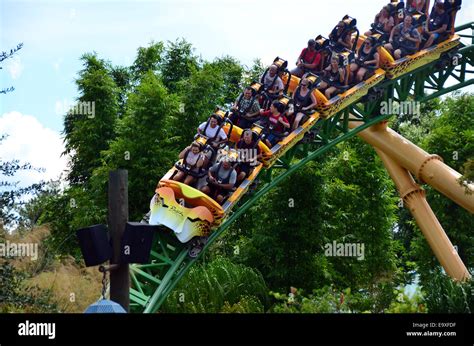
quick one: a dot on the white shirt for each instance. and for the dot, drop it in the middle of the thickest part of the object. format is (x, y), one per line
(211, 132)
(192, 158)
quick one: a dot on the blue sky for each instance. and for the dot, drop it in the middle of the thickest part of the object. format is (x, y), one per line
(56, 33)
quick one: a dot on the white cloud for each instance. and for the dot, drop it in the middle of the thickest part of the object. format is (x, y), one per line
(14, 67)
(29, 141)
(72, 13)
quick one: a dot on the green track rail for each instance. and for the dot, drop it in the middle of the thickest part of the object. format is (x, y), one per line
(152, 283)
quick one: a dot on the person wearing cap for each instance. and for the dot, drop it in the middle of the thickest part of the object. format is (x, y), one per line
(436, 25)
(308, 61)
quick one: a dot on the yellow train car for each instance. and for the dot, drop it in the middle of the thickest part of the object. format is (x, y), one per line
(396, 68)
(178, 207)
(188, 211)
(270, 155)
(327, 108)
(289, 141)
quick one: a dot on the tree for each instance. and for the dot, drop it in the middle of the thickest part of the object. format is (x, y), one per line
(30, 213)
(148, 59)
(10, 193)
(89, 127)
(122, 77)
(284, 233)
(443, 295)
(178, 63)
(253, 73)
(4, 56)
(15, 297)
(347, 198)
(200, 93)
(232, 73)
(143, 145)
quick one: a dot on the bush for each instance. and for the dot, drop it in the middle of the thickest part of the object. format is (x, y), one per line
(324, 300)
(14, 297)
(219, 286)
(443, 295)
(406, 304)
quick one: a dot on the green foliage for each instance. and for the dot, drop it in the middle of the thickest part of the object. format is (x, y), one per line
(347, 198)
(144, 145)
(148, 59)
(285, 232)
(178, 63)
(219, 286)
(244, 306)
(122, 77)
(232, 73)
(323, 300)
(443, 295)
(253, 73)
(34, 208)
(405, 304)
(15, 298)
(468, 171)
(200, 94)
(86, 135)
(11, 194)
(360, 208)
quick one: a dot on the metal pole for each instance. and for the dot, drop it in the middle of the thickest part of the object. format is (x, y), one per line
(117, 218)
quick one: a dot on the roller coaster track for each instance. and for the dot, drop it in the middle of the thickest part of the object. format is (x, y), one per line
(152, 283)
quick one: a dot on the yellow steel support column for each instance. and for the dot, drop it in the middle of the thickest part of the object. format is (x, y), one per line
(413, 197)
(427, 168)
